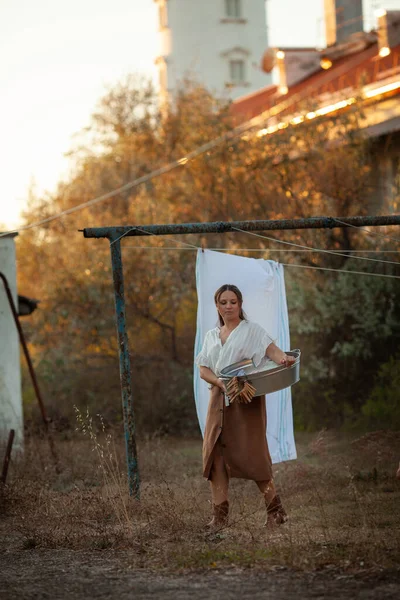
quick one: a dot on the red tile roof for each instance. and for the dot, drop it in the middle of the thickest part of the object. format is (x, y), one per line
(352, 71)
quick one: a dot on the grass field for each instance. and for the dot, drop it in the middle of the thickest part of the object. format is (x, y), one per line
(341, 495)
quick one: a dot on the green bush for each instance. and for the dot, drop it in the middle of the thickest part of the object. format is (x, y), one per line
(382, 409)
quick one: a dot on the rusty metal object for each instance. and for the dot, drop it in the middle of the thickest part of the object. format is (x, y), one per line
(231, 226)
(7, 456)
(125, 370)
(31, 371)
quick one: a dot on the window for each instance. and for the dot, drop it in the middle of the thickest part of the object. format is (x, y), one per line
(163, 15)
(237, 71)
(233, 9)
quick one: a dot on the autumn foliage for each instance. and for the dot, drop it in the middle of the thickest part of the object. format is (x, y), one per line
(347, 325)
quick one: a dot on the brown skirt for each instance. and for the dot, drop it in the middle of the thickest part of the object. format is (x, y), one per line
(238, 431)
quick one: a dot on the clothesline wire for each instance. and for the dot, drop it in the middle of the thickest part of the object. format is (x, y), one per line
(255, 249)
(229, 136)
(300, 246)
(341, 271)
(383, 235)
(262, 236)
(307, 248)
(288, 264)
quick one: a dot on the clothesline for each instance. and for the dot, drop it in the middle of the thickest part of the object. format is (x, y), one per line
(341, 271)
(383, 235)
(300, 246)
(337, 253)
(261, 249)
(284, 264)
(237, 132)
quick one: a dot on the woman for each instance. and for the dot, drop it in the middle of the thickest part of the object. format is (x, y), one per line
(235, 443)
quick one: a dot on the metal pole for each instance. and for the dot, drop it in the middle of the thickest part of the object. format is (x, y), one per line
(125, 370)
(229, 226)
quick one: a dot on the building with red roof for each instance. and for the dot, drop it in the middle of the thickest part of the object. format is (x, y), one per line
(362, 68)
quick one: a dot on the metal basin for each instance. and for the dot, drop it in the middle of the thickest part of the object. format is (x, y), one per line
(269, 377)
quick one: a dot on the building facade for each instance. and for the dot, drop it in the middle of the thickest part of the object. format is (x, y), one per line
(11, 416)
(360, 70)
(217, 43)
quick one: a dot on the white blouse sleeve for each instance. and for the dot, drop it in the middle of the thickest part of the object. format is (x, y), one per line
(260, 342)
(202, 359)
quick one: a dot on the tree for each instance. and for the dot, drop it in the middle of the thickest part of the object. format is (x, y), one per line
(317, 168)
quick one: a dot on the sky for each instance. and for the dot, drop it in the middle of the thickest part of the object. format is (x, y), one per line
(58, 57)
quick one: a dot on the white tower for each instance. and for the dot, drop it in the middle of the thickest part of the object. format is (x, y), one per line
(219, 43)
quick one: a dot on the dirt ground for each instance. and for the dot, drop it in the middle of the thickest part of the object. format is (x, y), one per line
(76, 533)
(63, 574)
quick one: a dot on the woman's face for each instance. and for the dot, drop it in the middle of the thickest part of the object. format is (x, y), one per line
(228, 306)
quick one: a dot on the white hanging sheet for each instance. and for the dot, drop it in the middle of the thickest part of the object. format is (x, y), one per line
(264, 302)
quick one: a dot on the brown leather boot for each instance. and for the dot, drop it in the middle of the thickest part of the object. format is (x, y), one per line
(276, 514)
(220, 516)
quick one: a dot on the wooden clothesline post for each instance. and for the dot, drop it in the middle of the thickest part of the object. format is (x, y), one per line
(115, 234)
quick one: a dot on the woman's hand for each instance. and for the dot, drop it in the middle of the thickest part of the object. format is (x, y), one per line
(278, 356)
(211, 378)
(288, 360)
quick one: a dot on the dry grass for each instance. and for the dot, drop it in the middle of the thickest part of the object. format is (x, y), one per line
(341, 495)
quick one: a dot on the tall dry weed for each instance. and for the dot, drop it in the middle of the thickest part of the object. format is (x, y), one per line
(337, 516)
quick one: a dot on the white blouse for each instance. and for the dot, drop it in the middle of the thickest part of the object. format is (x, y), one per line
(247, 340)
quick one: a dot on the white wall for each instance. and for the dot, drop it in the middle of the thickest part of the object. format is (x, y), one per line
(199, 42)
(10, 372)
